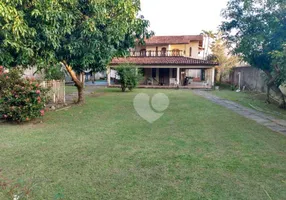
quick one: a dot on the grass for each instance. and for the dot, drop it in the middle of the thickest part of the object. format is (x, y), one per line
(105, 150)
(252, 100)
(70, 89)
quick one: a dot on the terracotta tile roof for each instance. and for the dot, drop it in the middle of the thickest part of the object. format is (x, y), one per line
(168, 60)
(184, 39)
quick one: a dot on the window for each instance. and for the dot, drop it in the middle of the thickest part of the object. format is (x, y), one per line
(190, 51)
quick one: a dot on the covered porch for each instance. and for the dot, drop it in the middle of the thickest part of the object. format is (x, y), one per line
(168, 71)
(194, 77)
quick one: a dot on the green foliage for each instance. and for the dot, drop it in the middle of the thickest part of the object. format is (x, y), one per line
(129, 77)
(233, 87)
(31, 31)
(102, 30)
(257, 28)
(20, 99)
(81, 34)
(220, 54)
(208, 36)
(54, 73)
(85, 34)
(279, 60)
(14, 34)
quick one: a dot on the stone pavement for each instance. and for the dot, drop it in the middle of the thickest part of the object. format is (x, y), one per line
(269, 121)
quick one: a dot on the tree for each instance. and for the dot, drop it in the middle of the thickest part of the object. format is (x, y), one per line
(13, 34)
(257, 31)
(55, 72)
(102, 30)
(80, 34)
(223, 57)
(208, 35)
(31, 32)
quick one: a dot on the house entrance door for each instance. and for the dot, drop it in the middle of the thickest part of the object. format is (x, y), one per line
(164, 76)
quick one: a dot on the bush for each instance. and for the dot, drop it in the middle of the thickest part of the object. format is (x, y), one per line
(20, 99)
(54, 73)
(233, 87)
(129, 76)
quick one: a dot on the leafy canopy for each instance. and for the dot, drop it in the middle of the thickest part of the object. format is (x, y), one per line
(257, 28)
(221, 55)
(86, 34)
(32, 30)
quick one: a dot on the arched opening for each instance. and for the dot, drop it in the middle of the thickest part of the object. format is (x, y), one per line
(190, 52)
(143, 52)
(163, 51)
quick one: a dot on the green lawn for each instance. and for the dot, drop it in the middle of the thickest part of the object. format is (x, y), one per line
(104, 150)
(252, 100)
(70, 89)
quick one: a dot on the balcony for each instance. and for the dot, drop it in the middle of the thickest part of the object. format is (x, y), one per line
(157, 53)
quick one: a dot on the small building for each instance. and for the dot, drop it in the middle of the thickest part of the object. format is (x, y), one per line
(170, 61)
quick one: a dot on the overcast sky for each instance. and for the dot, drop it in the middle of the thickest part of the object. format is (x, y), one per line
(182, 17)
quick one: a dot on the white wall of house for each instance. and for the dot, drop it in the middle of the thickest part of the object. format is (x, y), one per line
(32, 72)
(196, 73)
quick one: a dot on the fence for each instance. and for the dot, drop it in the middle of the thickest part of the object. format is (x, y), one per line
(253, 79)
(250, 77)
(57, 90)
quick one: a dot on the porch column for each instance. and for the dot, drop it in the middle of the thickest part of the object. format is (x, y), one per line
(108, 71)
(213, 75)
(157, 74)
(178, 76)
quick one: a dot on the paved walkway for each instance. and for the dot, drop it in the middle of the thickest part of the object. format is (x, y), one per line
(269, 121)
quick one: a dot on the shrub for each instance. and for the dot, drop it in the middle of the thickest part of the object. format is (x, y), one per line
(54, 73)
(20, 99)
(233, 87)
(129, 77)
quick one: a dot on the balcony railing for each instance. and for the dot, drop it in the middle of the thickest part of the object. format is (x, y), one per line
(157, 53)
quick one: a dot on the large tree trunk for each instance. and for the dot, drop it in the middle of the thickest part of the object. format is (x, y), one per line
(272, 86)
(218, 75)
(280, 95)
(79, 84)
(80, 91)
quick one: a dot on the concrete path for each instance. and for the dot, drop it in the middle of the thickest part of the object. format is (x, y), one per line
(269, 121)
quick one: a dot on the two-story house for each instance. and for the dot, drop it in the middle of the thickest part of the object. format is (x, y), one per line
(170, 61)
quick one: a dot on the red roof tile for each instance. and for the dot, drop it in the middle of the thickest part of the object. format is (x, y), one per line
(168, 60)
(184, 39)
